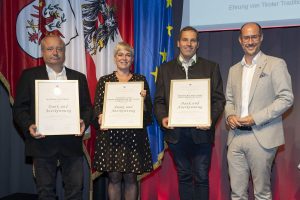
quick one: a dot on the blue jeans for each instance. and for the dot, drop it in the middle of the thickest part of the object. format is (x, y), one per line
(72, 176)
(192, 164)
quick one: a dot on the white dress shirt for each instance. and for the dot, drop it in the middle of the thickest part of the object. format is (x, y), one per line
(248, 72)
(186, 64)
(56, 76)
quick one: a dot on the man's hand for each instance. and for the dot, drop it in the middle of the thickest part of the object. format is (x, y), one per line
(82, 128)
(233, 121)
(33, 132)
(143, 93)
(246, 121)
(164, 123)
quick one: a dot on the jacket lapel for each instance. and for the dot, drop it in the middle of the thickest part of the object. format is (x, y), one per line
(262, 61)
(69, 74)
(43, 75)
(238, 77)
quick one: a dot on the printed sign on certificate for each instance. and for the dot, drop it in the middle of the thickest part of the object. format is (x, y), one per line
(57, 107)
(123, 105)
(189, 103)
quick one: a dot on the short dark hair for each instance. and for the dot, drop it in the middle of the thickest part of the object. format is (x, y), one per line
(188, 28)
(259, 27)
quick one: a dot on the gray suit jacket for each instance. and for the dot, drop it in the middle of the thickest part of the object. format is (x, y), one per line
(270, 96)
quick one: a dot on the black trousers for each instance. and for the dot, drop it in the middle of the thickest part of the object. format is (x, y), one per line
(192, 164)
(72, 176)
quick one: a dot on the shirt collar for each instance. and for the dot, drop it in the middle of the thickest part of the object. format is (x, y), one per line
(50, 70)
(254, 60)
(189, 62)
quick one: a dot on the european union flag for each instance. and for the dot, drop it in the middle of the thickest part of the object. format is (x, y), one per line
(153, 46)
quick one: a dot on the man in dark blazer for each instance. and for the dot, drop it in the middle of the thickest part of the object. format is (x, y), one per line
(191, 147)
(48, 151)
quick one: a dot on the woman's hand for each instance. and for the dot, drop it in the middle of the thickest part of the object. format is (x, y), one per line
(100, 121)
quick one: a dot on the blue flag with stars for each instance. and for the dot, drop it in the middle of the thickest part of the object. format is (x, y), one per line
(153, 45)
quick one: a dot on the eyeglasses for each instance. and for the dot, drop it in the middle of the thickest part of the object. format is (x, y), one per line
(246, 38)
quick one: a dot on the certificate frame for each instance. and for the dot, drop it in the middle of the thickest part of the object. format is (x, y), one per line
(57, 107)
(190, 103)
(123, 105)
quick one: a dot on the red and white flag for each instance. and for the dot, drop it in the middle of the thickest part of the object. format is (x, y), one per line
(90, 29)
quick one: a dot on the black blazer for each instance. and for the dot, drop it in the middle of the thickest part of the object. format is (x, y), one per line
(201, 69)
(24, 115)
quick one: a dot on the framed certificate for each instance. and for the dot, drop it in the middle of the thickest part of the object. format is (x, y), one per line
(57, 107)
(189, 103)
(123, 105)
